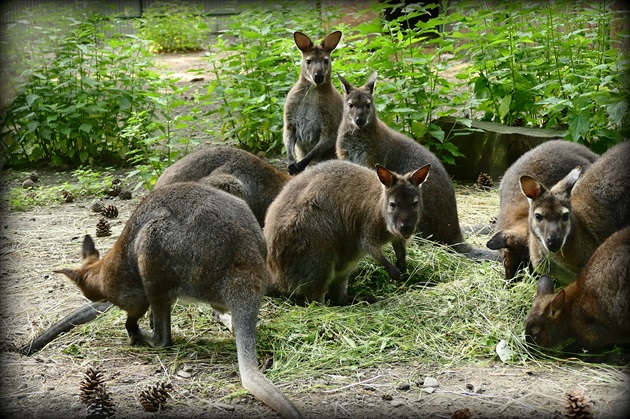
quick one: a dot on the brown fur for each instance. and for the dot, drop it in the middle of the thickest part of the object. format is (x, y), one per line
(330, 216)
(549, 163)
(570, 220)
(233, 170)
(364, 139)
(594, 311)
(187, 240)
(313, 109)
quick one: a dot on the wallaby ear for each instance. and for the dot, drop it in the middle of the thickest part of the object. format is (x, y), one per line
(88, 247)
(555, 308)
(386, 177)
(569, 180)
(545, 286)
(330, 42)
(420, 175)
(347, 87)
(72, 274)
(530, 187)
(498, 241)
(369, 85)
(302, 41)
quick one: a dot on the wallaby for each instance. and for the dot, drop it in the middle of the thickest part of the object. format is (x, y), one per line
(187, 240)
(235, 171)
(330, 216)
(594, 310)
(549, 163)
(364, 139)
(313, 108)
(571, 219)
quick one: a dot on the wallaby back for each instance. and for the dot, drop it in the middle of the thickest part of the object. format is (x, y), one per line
(549, 163)
(313, 108)
(594, 310)
(330, 216)
(233, 170)
(366, 140)
(571, 219)
(194, 241)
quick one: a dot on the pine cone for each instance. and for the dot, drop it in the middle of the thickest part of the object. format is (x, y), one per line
(28, 183)
(92, 379)
(153, 398)
(103, 228)
(125, 194)
(67, 196)
(110, 211)
(484, 181)
(464, 413)
(97, 206)
(34, 176)
(101, 405)
(577, 405)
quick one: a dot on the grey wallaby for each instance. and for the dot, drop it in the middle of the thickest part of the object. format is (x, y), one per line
(366, 140)
(593, 311)
(187, 240)
(235, 171)
(330, 216)
(571, 219)
(313, 108)
(549, 163)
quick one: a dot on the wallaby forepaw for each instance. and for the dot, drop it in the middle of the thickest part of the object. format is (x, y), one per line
(294, 169)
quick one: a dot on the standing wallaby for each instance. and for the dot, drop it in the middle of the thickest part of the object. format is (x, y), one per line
(330, 216)
(571, 219)
(313, 108)
(594, 310)
(549, 163)
(235, 171)
(187, 240)
(364, 139)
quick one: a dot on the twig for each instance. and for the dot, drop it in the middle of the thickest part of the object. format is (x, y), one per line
(353, 384)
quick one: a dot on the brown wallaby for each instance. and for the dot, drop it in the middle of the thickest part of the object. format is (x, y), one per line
(313, 108)
(571, 219)
(364, 139)
(549, 163)
(330, 216)
(594, 311)
(187, 240)
(235, 171)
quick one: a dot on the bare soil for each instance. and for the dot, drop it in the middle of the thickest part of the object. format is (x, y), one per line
(46, 384)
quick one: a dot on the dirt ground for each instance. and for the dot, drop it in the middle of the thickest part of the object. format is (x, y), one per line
(46, 384)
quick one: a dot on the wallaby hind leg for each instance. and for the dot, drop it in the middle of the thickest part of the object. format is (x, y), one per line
(161, 313)
(338, 291)
(137, 336)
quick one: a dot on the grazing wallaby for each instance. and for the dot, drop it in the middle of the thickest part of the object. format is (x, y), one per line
(571, 219)
(313, 108)
(364, 139)
(194, 241)
(331, 215)
(549, 163)
(594, 310)
(235, 171)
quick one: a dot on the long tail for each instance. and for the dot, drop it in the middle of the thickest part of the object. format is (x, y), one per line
(85, 314)
(477, 253)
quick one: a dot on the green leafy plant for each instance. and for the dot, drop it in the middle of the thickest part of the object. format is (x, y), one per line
(173, 27)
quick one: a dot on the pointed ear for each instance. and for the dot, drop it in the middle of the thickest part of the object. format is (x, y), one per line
(88, 247)
(386, 177)
(347, 87)
(545, 286)
(530, 187)
(72, 274)
(555, 308)
(369, 85)
(569, 180)
(330, 42)
(420, 175)
(498, 241)
(302, 41)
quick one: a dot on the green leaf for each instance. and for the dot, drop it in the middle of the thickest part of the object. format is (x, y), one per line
(504, 106)
(616, 111)
(86, 127)
(30, 98)
(578, 127)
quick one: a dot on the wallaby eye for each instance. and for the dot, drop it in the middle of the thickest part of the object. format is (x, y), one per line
(326, 60)
(308, 62)
(416, 203)
(351, 105)
(538, 217)
(565, 217)
(392, 205)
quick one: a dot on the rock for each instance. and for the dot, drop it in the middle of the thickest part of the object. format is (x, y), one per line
(430, 382)
(397, 403)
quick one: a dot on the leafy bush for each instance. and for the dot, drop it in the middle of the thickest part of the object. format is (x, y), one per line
(173, 27)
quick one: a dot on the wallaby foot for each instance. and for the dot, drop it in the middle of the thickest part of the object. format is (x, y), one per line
(224, 318)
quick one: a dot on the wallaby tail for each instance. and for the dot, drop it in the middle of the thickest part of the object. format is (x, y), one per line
(477, 253)
(264, 390)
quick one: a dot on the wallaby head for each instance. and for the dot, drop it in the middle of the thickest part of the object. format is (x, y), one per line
(359, 107)
(515, 245)
(87, 276)
(316, 64)
(547, 323)
(403, 201)
(550, 209)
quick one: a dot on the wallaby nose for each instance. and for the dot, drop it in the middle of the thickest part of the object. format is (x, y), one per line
(318, 78)
(360, 121)
(406, 229)
(553, 244)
